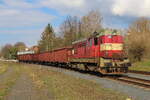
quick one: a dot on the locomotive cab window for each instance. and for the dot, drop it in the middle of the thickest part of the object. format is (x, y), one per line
(90, 42)
(75, 49)
(101, 41)
(95, 41)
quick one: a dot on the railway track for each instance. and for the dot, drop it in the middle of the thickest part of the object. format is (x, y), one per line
(124, 78)
(134, 81)
(139, 72)
(144, 83)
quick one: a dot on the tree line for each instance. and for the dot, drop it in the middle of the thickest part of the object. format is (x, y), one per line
(10, 51)
(137, 42)
(72, 28)
(136, 38)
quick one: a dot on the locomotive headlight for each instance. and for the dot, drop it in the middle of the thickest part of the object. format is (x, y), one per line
(73, 51)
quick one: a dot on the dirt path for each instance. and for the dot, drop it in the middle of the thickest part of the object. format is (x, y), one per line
(25, 90)
(6, 74)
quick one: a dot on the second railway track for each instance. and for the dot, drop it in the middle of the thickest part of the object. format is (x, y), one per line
(139, 72)
(134, 81)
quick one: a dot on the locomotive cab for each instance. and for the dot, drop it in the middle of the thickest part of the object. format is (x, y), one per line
(113, 59)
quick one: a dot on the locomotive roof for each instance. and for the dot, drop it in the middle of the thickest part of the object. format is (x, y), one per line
(108, 32)
(82, 40)
(103, 33)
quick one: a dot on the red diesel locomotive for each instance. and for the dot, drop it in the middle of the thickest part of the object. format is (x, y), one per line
(102, 53)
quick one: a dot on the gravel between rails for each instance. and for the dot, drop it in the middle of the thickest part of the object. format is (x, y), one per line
(134, 92)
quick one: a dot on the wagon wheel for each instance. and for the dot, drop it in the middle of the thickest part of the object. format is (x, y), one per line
(86, 68)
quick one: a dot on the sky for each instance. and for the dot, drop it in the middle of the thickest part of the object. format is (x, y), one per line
(25, 20)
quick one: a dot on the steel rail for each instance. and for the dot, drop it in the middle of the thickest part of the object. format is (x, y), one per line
(132, 80)
(139, 72)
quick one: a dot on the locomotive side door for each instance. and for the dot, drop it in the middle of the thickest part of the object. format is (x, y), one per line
(110, 45)
(96, 47)
(88, 47)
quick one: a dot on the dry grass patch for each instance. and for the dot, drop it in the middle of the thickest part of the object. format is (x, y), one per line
(141, 66)
(64, 87)
(3, 67)
(8, 81)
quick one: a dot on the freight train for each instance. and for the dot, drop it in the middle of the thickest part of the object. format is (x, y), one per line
(102, 53)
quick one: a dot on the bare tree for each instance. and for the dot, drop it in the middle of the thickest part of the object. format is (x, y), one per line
(91, 22)
(74, 28)
(58, 42)
(6, 51)
(138, 38)
(10, 51)
(20, 46)
(70, 30)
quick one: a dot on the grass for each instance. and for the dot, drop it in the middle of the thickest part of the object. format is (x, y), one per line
(3, 67)
(141, 66)
(60, 86)
(8, 81)
(64, 87)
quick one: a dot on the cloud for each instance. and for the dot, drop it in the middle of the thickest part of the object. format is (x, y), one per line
(24, 13)
(23, 18)
(19, 4)
(29, 36)
(63, 3)
(65, 6)
(22, 21)
(7, 12)
(22, 31)
(17, 13)
(138, 8)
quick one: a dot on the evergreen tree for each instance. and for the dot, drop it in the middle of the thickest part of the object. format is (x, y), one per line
(47, 39)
